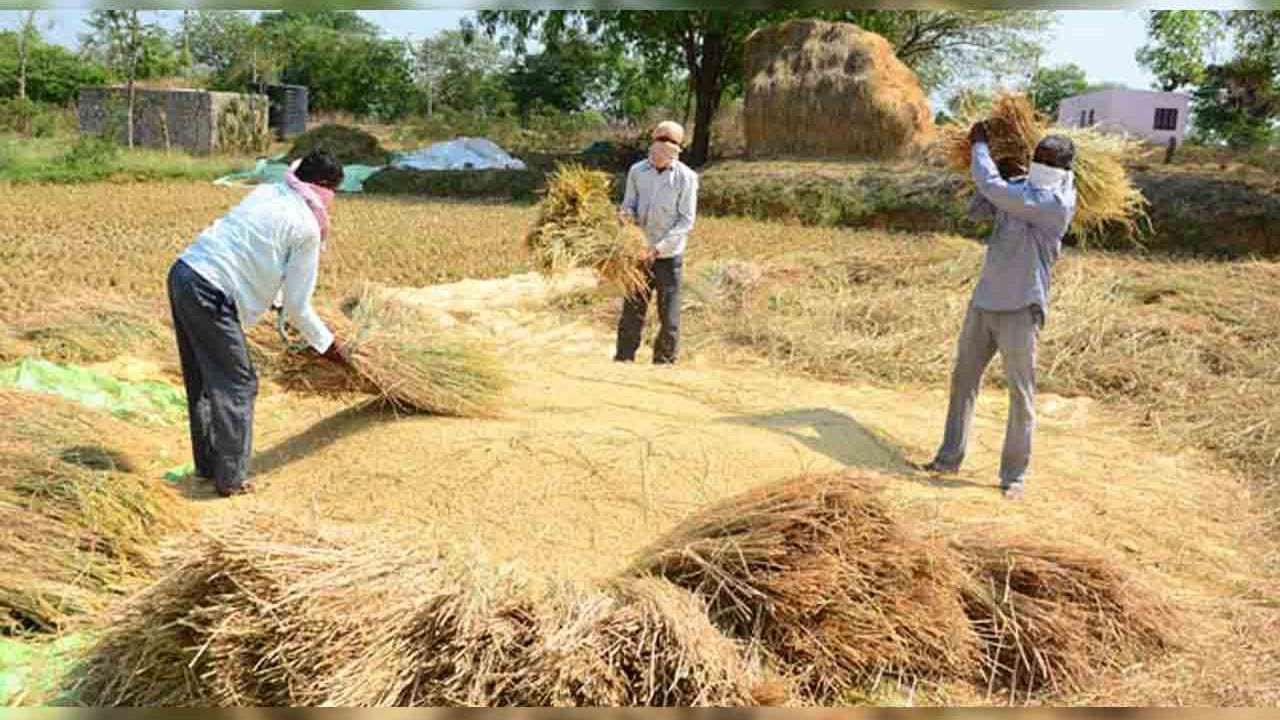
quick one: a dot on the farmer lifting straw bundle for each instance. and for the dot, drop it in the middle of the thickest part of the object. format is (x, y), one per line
(266, 247)
(1011, 301)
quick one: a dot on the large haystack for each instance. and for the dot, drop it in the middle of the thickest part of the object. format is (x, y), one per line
(837, 592)
(819, 89)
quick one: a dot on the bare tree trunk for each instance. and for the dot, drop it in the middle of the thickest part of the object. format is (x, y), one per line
(134, 50)
(24, 35)
(688, 102)
(709, 86)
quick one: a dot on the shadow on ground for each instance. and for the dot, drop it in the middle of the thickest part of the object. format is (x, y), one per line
(831, 433)
(345, 423)
(350, 421)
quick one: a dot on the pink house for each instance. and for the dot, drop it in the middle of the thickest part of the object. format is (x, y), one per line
(1156, 116)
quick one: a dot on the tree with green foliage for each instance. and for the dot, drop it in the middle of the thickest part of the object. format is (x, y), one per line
(127, 45)
(54, 74)
(463, 73)
(220, 41)
(133, 49)
(570, 74)
(1234, 101)
(1237, 103)
(708, 44)
(1179, 43)
(26, 35)
(1050, 86)
(352, 72)
(342, 21)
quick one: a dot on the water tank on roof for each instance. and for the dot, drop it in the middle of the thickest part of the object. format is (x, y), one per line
(288, 114)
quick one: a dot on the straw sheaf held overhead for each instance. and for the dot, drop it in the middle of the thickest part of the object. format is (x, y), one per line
(1106, 198)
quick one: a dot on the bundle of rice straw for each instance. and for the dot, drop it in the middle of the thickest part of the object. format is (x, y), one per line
(642, 642)
(1105, 197)
(836, 592)
(264, 611)
(407, 368)
(267, 611)
(578, 226)
(1052, 617)
(76, 524)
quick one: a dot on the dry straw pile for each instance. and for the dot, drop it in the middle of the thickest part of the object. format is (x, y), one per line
(831, 89)
(268, 612)
(578, 226)
(1052, 617)
(76, 522)
(838, 593)
(1105, 197)
(834, 589)
(393, 359)
(67, 332)
(804, 590)
(642, 642)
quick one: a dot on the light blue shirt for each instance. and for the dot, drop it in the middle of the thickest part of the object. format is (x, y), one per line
(663, 203)
(268, 246)
(1026, 240)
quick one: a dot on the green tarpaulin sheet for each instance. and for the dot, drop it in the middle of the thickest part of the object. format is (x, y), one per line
(148, 401)
(30, 672)
(273, 169)
(180, 472)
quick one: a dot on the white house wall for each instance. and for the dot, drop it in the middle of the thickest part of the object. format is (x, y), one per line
(1131, 110)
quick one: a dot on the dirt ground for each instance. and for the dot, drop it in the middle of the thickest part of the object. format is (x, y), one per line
(594, 459)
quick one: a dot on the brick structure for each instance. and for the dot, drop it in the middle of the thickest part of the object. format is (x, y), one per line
(193, 120)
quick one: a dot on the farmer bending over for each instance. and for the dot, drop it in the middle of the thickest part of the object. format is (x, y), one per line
(1011, 301)
(267, 245)
(662, 198)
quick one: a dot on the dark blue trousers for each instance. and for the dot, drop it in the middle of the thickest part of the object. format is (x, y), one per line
(221, 383)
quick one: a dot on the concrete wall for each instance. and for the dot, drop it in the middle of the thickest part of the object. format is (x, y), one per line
(1133, 111)
(162, 118)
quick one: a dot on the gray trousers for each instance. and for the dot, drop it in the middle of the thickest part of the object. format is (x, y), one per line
(664, 281)
(1014, 334)
(219, 376)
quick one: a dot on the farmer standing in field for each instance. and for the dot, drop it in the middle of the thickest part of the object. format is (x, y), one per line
(1011, 301)
(268, 245)
(662, 198)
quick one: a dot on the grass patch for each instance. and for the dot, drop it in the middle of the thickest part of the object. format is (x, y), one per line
(90, 159)
(1210, 215)
(514, 185)
(881, 196)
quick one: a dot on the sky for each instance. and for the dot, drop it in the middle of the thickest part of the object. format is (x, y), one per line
(1102, 42)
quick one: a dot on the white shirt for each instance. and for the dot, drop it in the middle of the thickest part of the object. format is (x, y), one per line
(268, 246)
(663, 203)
